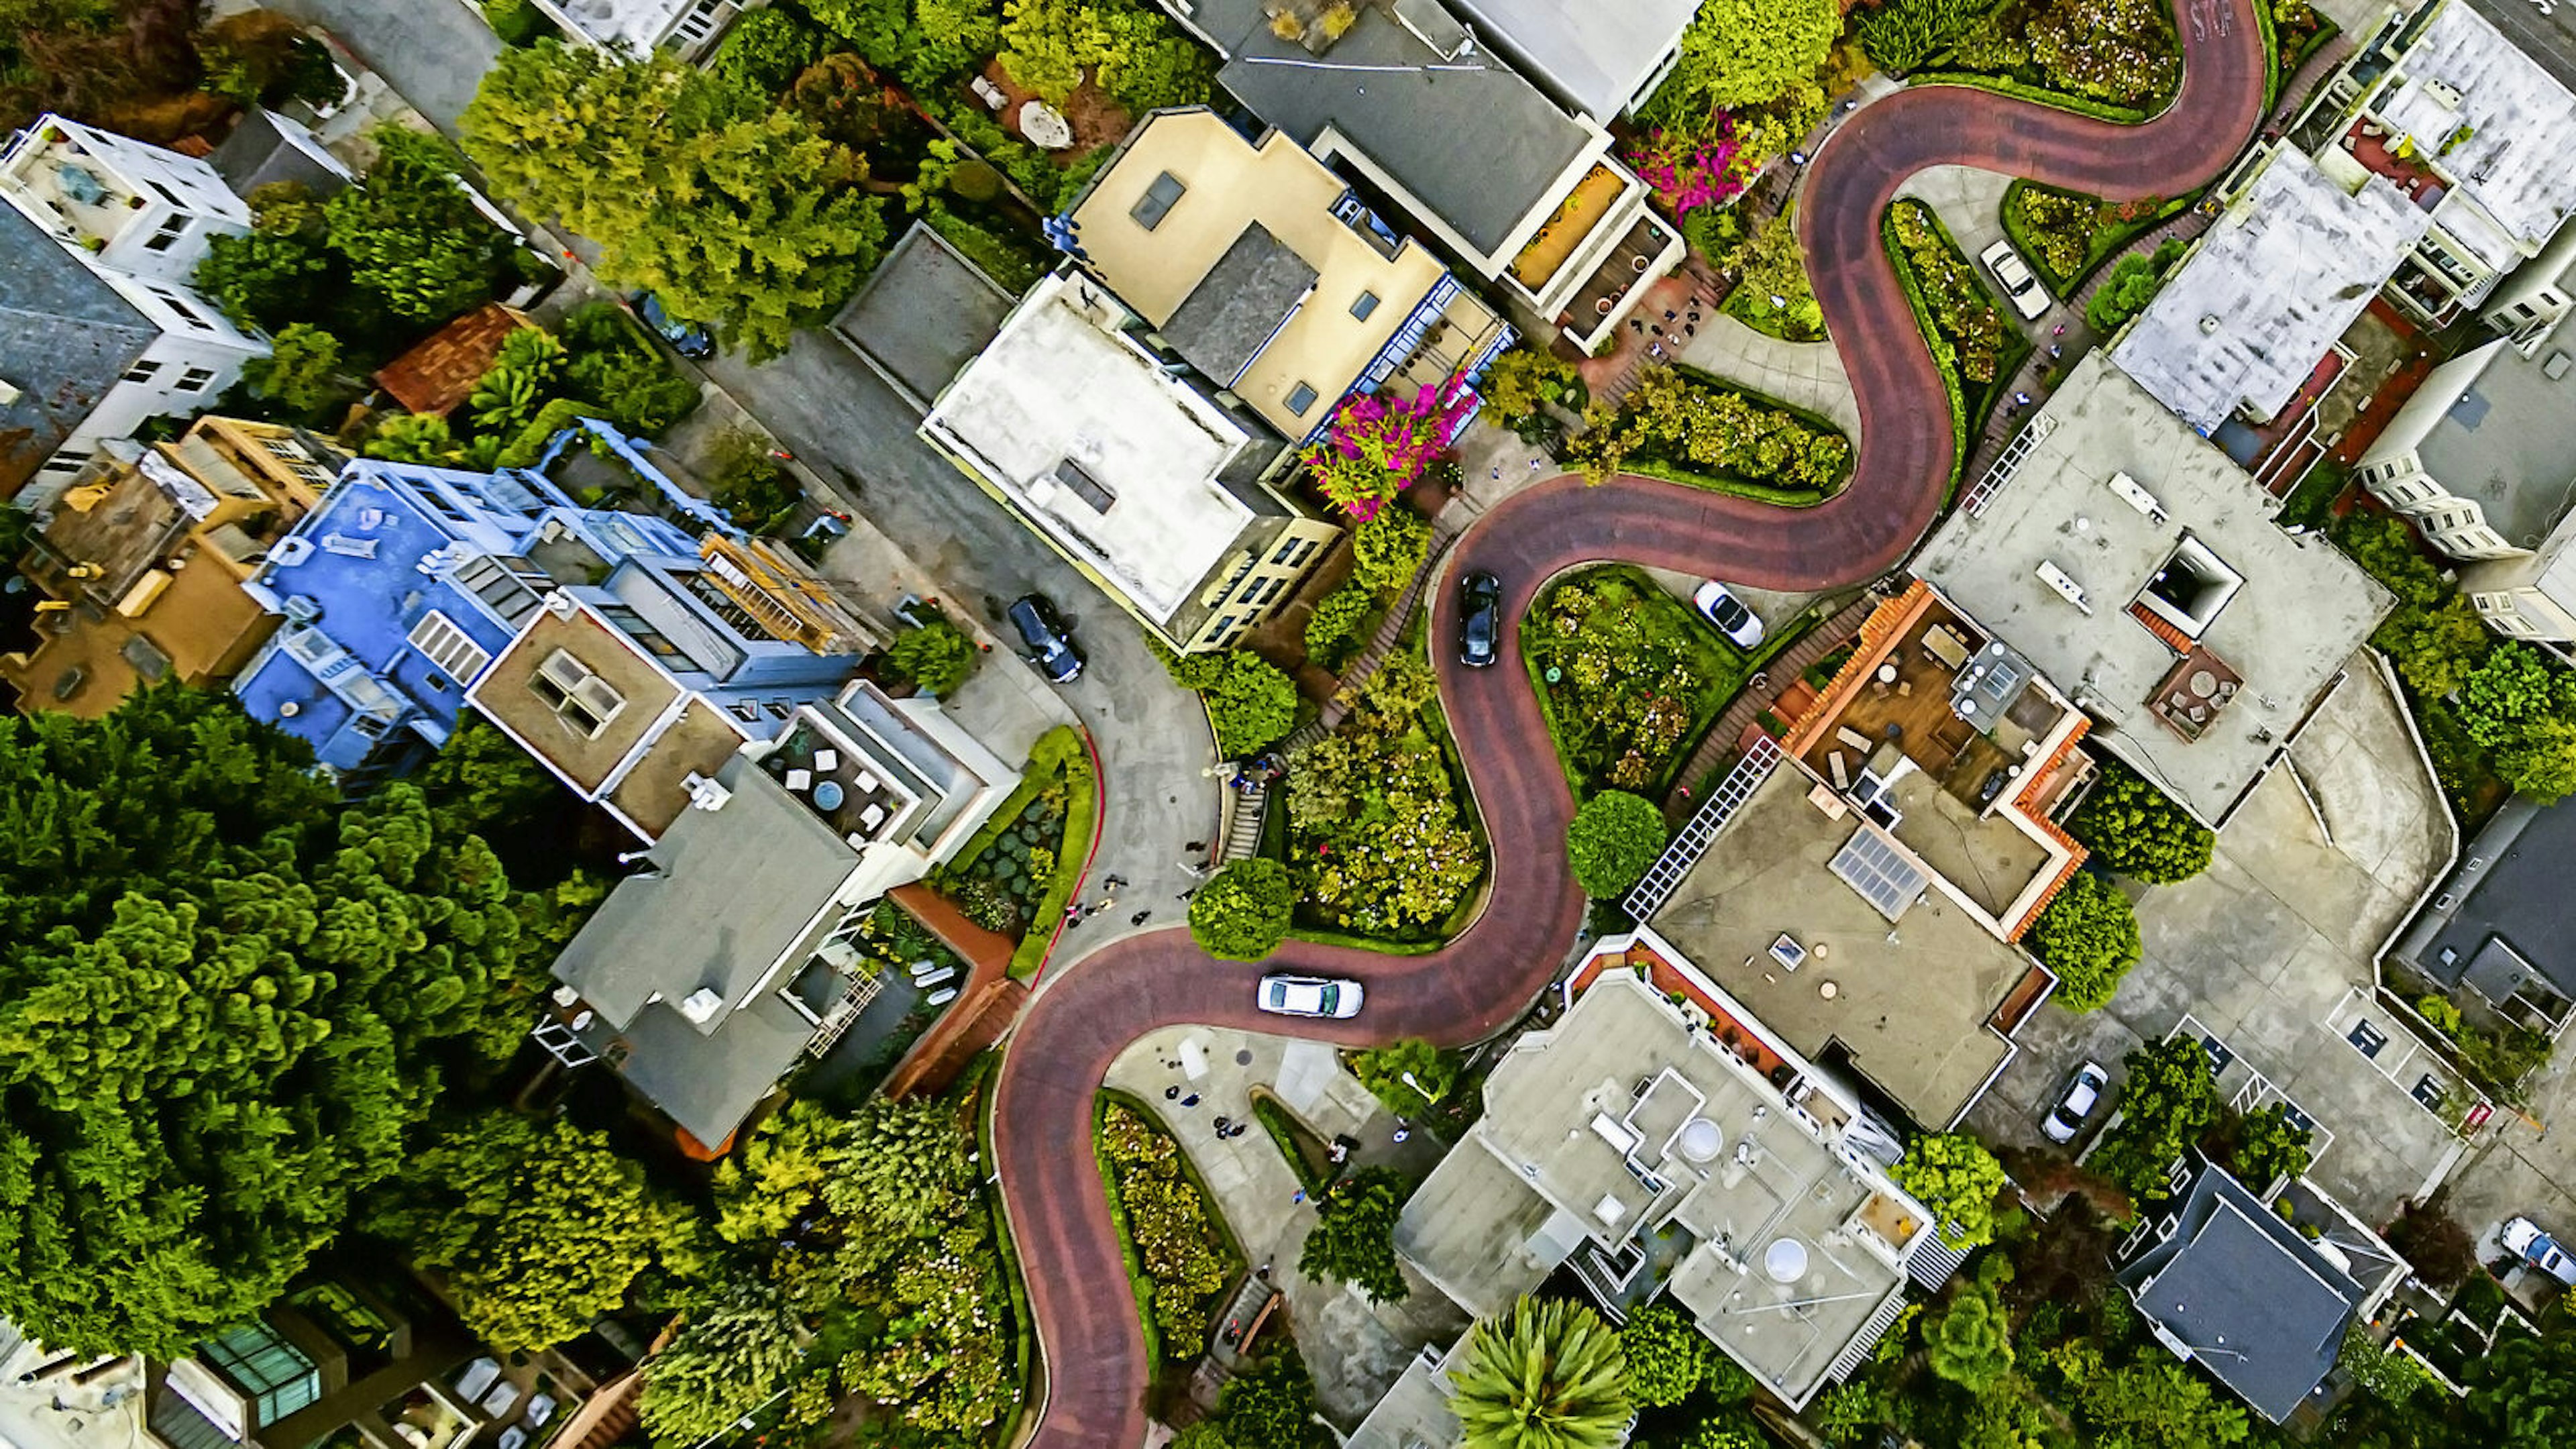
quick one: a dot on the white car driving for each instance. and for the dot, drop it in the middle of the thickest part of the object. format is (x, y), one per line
(1309, 996)
(2029, 298)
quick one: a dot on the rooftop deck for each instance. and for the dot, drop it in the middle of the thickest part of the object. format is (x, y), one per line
(1563, 233)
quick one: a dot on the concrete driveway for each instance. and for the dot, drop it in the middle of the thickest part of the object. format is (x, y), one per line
(433, 51)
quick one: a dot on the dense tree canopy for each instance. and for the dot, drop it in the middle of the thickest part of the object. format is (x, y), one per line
(1243, 912)
(937, 656)
(1668, 1357)
(540, 1228)
(2524, 1394)
(1354, 1240)
(739, 215)
(2169, 1099)
(2089, 937)
(1407, 1075)
(1970, 1342)
(2136, 829)
(1741, 53)
(1958, 1179)
(218, 1000)
(1612, 840)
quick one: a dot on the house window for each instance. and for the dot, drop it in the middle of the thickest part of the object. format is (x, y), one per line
(285, 450)
(745, 710)
(576, 694)
(1366, 304)
(314, 474)
(450, 648)
(167, 234)
(1300, 398)
(780, 709)
(194, 379)
(186, 313)
(143, 372)
(1157, 202)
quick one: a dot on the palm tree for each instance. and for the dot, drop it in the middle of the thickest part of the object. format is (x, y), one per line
(1547, 1375)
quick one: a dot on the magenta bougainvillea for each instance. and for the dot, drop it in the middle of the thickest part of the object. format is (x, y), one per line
(1376, 448)
(1689, 169)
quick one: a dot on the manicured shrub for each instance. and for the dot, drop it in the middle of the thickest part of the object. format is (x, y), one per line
(2136, 829)
(937, 656)
(1336, 622)
(1612, 840)
(1354, 1240)
(2089, 937)
(1389, 549)
(1251, 703)
(1243, 911)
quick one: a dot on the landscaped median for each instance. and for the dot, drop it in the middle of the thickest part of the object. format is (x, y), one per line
(1627, 677)
(1685, 426)
(1020, 871)
(1180, 1257)
(2065, 235)
(1971, 345)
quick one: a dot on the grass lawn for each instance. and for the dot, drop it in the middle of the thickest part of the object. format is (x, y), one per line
(1628, 676)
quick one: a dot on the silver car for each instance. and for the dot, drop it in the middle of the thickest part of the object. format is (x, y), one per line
(2029, 298)
(2082, 1095)
(1309, 996)
(1727, 612)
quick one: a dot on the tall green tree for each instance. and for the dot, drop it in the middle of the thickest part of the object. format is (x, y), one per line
(2523, 1395)
(737, 214)
(728, 1356)
(1549, 1374)
(2089, 937)
(937, 656)
(1243, 913)
(1407, 1075)
(411, 235)
(222, 1000)
(1612, 840)
(764, 1188)
(301, 372)
(1970, 1342)
(1741, 53)
(1958, 1179)
(2169, 1099)
(2137, 829)
(1668, 1357)
(904, 1166)
(1354, 1240)
(540, 1228)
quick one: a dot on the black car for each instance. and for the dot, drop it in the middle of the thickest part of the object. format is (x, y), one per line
(1049, 643)
(1480, 618)
(687, 338)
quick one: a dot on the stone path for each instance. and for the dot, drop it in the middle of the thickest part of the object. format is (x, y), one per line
(1806, 374)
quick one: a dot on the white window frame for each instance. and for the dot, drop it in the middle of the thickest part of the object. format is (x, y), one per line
(448, 648)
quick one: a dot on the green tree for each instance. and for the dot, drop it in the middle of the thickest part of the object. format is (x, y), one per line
(411, 235)
(2524, 1393)
(883, 30)
(1731, 1431)
(2156, 1403)
(736, 213)
(1970, 1342)
(1251, 704)
(2129, 286)
(1336, 621)
(1354, 1237)
(1272, 1407)
(1612, 840)
(1407, 1075)
(1741, 53)
(1388, 549)
(2540, 762)
(2507, 692)
(224, 1001)
(903, 1168)
(2089, 937)
(729, 1354)
(269, 275)
(765, 50)
(520, 381)
(2136, 829)
(1769, 263)
(1668, 1357)
(937, 656)
(2169, 1099)
(1243, 911)
(1549, 1374)
(1958, 1179)
(301, 373)
(1521, 382)
(539, 1228)
(2268, 1145)
(761, 1190)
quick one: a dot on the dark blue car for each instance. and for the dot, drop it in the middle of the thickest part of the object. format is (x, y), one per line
(1044, 636)
(687, 338)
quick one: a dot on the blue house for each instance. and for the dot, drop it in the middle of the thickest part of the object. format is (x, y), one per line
(404, 585)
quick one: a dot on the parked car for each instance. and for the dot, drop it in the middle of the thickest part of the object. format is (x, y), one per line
(1309, 996)
(2523, 1238)
(1480, 619)
(2076, 1103)
(1048, 641)
(687, 338)
(2029, 298)
(1728, 613)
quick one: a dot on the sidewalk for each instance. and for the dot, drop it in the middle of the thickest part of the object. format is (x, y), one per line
(1805, 374)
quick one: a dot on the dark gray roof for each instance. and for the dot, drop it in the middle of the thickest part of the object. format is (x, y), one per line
(1481, 148)
(1239, 306)
(734, 890)
(2252, 1299)
(925, 313)
(2519, 901)
(708, 1084)
(65, 339)
(266, 148)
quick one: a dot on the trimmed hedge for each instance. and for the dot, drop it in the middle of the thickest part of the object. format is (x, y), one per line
(1081, 824)
(2009, 355)
(2104, 245)
(2039, 95)
(1282, 1129)
(1687, 477)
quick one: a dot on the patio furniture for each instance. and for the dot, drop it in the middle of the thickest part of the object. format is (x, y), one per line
(477, 1377)
(871, 818)
(827, 760)
(941, 997)
(799, 780)
(512, 1438)
(1852, 739)
(541, 1407)
(1946, 648)
(867, 783)
(1887, 672)
(1842, 775)
(498, 1402)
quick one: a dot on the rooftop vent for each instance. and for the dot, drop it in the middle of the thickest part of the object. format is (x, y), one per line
(1700, 1140)
(2064, 583)
(700, 1006)
(705, 793)
(2133, 494)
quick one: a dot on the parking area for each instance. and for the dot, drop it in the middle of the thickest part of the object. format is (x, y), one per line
(2270, 953)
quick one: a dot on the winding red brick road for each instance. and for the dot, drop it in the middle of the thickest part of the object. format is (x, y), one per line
(1080, 1021)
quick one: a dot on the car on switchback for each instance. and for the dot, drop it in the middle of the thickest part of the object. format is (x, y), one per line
(1309, 996)
(2014, 275)
(1480, 619)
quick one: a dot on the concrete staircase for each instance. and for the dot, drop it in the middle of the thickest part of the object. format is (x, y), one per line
(1244, 813)
(1390, 633)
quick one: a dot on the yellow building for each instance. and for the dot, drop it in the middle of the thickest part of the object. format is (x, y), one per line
(143, 557)
(1261, 268)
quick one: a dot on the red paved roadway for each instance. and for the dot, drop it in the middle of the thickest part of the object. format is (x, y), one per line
(1083, 1018)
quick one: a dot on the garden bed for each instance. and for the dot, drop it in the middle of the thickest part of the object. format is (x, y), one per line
(2118, 60)
(1309, 1156)
(2066, 236)
(1974, 350)
(1627, 676)
(981, 1078)
(1685, 426)
(1181, 1258)
(1019, 872)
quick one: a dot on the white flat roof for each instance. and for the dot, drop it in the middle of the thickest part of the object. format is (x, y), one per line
(1058, 384)
(2270, 288)
(1597, 54)
(2516, 126)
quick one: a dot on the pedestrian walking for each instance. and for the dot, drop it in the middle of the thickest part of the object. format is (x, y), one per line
(2056, 350)
(1184, 896)
(1171, 1094)
(2058, 331)
(1138, 919)
(1116, 881)
(1690, 329)
(1262, 1272)
(1195, 845)
(1533, 465)
(1401, 1133)
(1299, 1196)
(2022, 398)
(1498, 470)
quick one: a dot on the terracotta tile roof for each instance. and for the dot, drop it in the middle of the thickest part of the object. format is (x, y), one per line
(2166, 633)
(440, 373)
(1877, 637)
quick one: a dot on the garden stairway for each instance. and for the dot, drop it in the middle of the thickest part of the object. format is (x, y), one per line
(1759, 694)
(1390, 632)
(1245, 811)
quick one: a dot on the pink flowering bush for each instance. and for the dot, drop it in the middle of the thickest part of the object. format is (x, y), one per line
(1376, 448)
(1690, 169)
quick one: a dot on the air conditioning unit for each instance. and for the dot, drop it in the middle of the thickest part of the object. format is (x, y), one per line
(700, 1006)
(2064, 583)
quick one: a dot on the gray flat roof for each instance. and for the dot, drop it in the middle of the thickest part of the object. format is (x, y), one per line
(66, 337)
(2549, 37)
(2301, 612)
(709, 1082)
(2267, 291)
(1240, 305)
(732, 891)
(266, 148)
(2520, 899)
(2509, 443)
(1594, 55)
(1481, 148)
(2257, 1304)
(925, 312)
